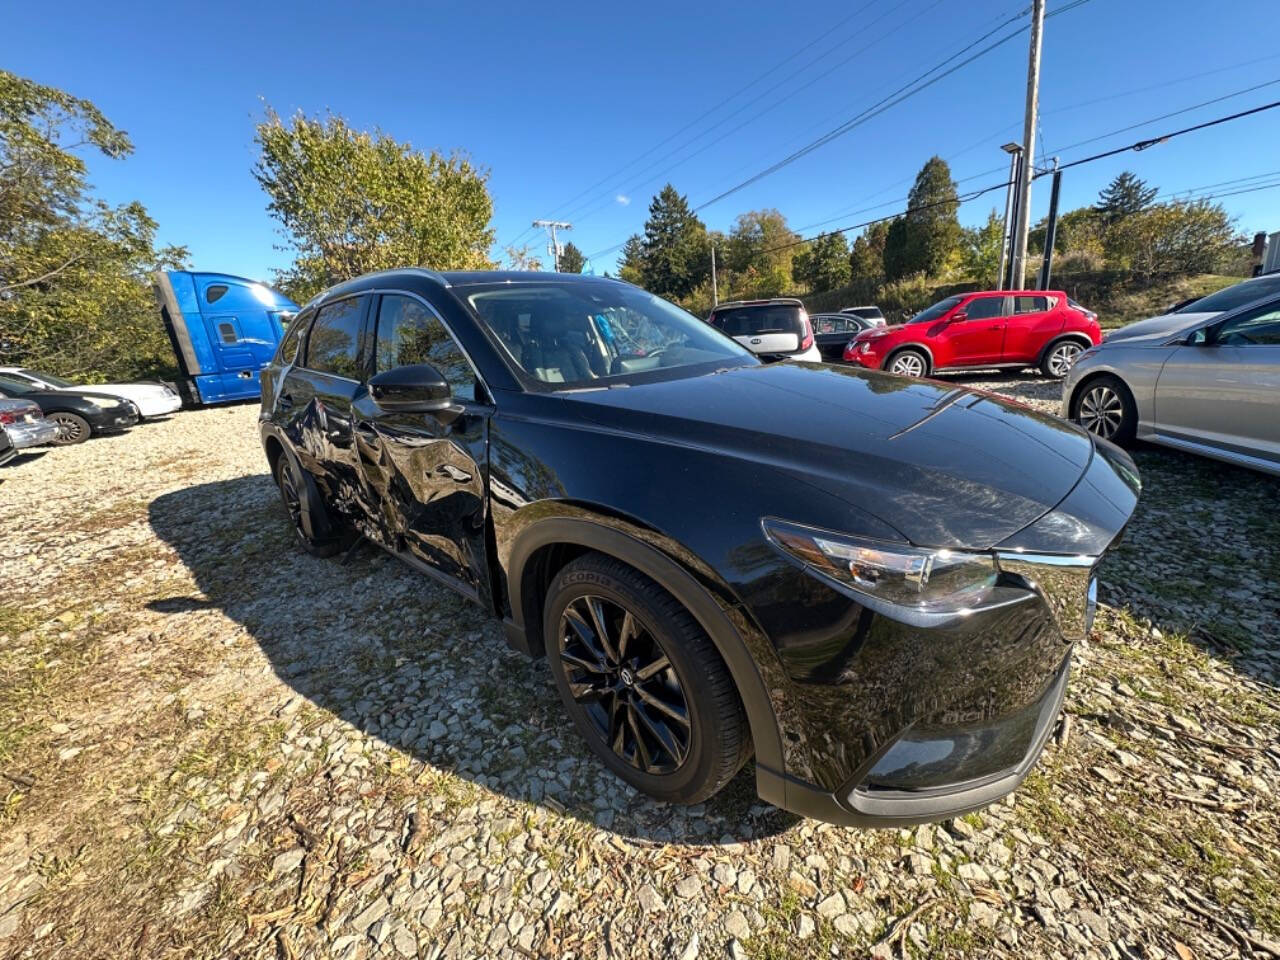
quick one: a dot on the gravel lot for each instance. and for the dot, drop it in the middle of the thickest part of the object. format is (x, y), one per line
(214, 745)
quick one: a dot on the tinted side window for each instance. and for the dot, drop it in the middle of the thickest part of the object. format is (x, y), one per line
(1256, 328)
(984, 308)
(1030, 304)
(293, 336)
(213, 293)
(409, 333)
(334, 343)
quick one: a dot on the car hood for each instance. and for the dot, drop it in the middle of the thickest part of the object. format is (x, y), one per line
(132, 391)
(941, 464)
(1159, 329)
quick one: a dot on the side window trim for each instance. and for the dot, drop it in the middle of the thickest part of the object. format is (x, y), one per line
(372, 327)
(302, 324)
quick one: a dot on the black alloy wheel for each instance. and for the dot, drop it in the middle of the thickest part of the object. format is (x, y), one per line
(642, 682)
(625, 682)
(316, 529)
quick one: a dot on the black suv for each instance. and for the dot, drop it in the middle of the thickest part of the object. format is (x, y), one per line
(872, 583)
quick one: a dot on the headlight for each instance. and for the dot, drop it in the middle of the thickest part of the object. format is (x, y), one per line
(864, 346)
(914, 579)
(103, 403)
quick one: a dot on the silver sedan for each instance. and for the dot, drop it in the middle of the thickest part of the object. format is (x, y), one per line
(1207, 383)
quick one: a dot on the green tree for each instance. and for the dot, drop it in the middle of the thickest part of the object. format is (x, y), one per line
(866, 261)
(675, 253)
(1173, 238)
(571, 259)
(522, 258)
(921, 240)
(350, 202)
(631, 266)
(981, 248)
(823, 264)
(758, 254)
(1123, 197)
(75, 290)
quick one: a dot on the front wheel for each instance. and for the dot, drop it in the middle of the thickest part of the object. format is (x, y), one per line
(909, 363)
(72, 428)
(642, 682)
(1105, 407)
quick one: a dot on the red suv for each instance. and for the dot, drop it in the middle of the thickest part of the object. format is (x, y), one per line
(1006, 328)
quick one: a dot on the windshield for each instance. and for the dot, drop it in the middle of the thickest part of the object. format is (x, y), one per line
(48, 378)
(16, 387)
(934, 312)
(583, 333)
(1235, 296)
(760, 318)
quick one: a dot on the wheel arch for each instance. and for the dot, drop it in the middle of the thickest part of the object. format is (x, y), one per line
(1075, 336)
(547, 545)
(1093, 376)
(919, 347)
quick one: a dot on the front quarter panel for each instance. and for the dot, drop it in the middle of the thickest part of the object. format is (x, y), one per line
(1138, 367)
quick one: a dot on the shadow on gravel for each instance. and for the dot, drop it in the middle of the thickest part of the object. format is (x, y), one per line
(403, 659)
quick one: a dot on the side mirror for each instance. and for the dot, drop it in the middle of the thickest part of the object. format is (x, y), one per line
(1197, 338)
(959, 317)
(419, 388)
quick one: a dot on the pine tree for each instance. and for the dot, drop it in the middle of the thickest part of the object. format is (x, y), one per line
(922, 239)
(571, 259)
(675, 250)
(1123, 197)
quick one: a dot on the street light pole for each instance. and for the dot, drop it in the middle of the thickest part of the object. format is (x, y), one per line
(1010, 213)
(1028, 145)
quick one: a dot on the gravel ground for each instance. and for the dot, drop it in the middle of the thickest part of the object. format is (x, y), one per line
(214, 745)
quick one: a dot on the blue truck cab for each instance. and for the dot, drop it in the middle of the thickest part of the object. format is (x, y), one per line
(224, 330)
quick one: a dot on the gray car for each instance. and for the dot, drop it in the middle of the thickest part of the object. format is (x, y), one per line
(1205, 380)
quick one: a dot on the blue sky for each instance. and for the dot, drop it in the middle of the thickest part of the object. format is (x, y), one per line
(555, 98)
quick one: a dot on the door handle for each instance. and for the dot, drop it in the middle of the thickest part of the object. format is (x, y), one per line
(245, 374)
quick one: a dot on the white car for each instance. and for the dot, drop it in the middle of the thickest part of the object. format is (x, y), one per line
(151, 399)
(776, 328)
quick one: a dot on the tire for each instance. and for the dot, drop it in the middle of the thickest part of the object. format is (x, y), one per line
(908, 363)
(684, 752)
(72, 428)
(315, 527)
(1104, 406)
(1059, 357)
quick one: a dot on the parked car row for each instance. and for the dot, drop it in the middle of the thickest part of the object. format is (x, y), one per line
(38, 409)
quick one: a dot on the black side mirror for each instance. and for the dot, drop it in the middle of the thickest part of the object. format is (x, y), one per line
(419, 388)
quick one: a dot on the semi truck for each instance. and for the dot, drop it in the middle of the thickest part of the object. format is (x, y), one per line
(224, 330)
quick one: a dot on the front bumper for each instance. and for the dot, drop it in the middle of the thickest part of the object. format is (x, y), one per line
(31, 433)
(114, 419)
(887, 722)
(159, 406)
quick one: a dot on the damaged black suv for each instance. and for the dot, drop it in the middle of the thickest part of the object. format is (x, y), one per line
(872, 583)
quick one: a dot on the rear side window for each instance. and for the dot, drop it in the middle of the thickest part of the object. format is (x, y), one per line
(985, 308)
(1030, 304)
(832, 325)
(288, 351)
(754, 320)
(334, 343)
(214, 292)
(409, 333)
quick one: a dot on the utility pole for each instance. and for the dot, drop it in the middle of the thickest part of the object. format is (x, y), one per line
(553, 247)
(1028, 145)
(715, 295)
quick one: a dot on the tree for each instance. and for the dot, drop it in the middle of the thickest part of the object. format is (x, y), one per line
(571, 259)
(923, 239)
(675, 253)
(631, 266)
(350, 202)
(1177, 238)
(866, 261)
(823, 264)
(75, 290)
(758, 254)
(981, 248)
(1123, 197)
(522, 258)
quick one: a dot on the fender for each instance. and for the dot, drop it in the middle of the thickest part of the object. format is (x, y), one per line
(679, 583)
(1079, 338)
(923, 348)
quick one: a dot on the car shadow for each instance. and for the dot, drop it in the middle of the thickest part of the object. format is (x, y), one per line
(407, 661)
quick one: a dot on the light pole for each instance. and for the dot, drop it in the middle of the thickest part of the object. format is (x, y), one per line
(554, 248)
(1028, 147)
(1010, 211)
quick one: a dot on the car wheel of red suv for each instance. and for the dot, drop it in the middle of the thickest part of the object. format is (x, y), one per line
(908, 363)
(1059, 358)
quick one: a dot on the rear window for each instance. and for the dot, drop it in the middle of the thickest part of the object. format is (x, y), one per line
(1236, 296)
(750, 321)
